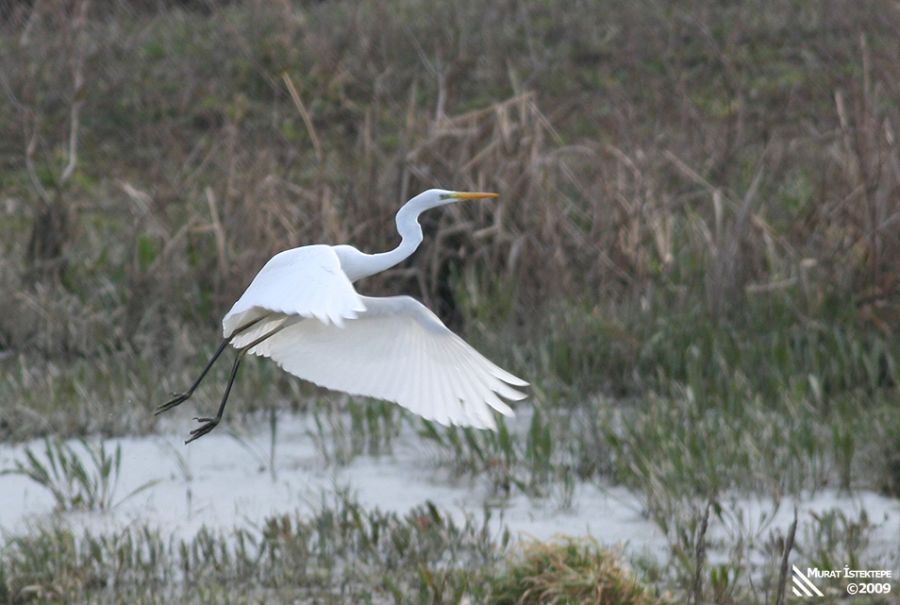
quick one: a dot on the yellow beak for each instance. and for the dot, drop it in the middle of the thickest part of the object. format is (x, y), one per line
(478, 195)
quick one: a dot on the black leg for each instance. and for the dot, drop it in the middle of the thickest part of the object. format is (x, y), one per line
(210, 423)
(182, 397)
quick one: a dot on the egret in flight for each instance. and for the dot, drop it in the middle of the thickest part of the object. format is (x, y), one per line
(302, 311)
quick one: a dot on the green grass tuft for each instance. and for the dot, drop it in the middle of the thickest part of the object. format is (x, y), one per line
(78, 480)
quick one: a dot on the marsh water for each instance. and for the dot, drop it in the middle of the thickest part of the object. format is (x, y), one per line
(235, 478)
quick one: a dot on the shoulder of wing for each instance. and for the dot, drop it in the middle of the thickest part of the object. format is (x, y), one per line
(312, 257)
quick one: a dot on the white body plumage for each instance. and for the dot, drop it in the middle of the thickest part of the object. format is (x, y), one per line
(302, 311)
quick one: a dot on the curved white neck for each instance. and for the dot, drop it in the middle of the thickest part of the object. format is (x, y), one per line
(410, 237)
(358, 265)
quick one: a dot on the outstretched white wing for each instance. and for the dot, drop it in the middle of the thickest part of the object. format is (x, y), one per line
(306, 282)
(400, 351)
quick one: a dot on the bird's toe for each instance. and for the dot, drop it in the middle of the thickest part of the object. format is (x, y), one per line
(208, 425)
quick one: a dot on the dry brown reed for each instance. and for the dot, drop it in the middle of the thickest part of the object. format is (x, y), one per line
(642, 153)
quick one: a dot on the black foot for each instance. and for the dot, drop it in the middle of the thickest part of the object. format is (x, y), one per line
(174, 402)
(208, 425)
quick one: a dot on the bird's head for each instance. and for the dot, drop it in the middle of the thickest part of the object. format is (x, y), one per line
(441, 197)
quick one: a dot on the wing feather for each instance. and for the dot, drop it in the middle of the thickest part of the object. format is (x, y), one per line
(441, 387)
(465, 379)
(397, 350)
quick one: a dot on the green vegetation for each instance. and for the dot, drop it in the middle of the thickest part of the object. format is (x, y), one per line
(338, 554)
(75, 485)
(693, 260)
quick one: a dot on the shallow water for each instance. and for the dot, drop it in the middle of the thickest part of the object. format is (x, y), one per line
(223, 482)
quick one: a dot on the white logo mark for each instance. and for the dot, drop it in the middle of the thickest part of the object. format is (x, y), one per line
(803, 587)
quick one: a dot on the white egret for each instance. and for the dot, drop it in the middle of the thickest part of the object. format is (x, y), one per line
(302, 311)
